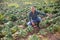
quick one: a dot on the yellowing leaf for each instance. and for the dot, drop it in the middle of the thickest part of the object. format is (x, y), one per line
(13, 4)
(27, 2)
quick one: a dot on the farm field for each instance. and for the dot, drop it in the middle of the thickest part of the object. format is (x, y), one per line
(14, 18)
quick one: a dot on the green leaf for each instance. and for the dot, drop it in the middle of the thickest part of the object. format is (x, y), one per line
(29, 29)
(34, 37)
(22, 33)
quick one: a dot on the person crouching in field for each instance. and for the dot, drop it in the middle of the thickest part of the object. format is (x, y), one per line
(34, 19)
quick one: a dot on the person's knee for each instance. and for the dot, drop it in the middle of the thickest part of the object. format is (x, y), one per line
(28, 23)
(40, 19)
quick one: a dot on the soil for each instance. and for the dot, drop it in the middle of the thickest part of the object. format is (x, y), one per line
(49, 36)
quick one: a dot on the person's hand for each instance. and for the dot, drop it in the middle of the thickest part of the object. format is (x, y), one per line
(33, 23)
(44, 19)
(47, 14)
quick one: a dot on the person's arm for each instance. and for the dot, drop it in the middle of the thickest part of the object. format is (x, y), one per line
(42, 13)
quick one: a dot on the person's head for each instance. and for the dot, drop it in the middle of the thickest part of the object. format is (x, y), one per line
(33, 9)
